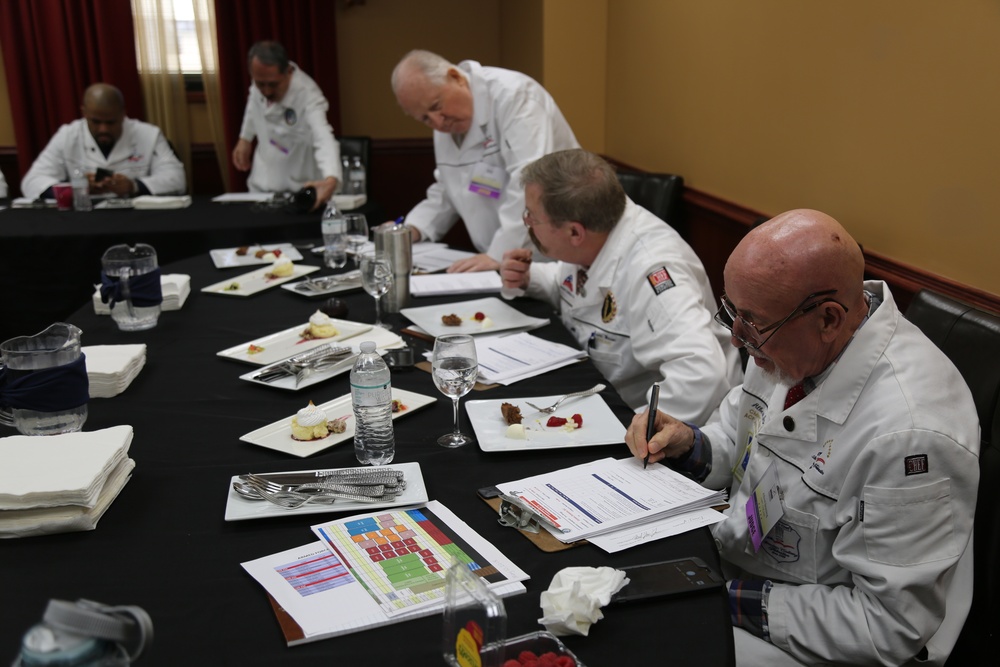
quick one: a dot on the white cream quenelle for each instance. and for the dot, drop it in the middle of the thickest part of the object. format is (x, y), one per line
(310, 416)
(320, 326)
(282, 267)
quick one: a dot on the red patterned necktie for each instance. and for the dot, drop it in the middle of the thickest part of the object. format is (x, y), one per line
(795, 394)
(581, 280)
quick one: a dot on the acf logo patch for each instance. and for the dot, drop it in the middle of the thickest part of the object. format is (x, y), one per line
(660, 280)
(609, 308)
(782, 544)
(290, 117)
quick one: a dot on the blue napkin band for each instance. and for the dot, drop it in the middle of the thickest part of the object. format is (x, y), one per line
(46, 389)
(146, 289)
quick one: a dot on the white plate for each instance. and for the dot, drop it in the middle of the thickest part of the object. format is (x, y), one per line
(225, 258)
(600, 425)
(257, 281)
(504, 317)
(279, 434)
(283, 344)
(351, 280)
(239, 508)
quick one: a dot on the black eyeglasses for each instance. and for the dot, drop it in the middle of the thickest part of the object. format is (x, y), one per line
(727, 316)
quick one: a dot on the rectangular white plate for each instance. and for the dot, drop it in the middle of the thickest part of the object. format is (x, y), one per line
(351, 280)
(225, 258)
(256, 281)
(504, 317)
(600, 426)
(283, 344)
(278, 435)
(239, 508)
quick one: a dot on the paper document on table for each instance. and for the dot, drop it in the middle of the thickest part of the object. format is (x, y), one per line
(607, 495)
(619, 540)
(438, 284)
(520, 355)
(237, 197)
(433, 257)
(341, 584)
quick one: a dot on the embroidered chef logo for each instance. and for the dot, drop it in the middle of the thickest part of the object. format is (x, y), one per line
(660, 280)
(134, 158)
(488, 141)
(916, 465)
(290, 117)
(609, 308)
(818, 462)
(782, 543)
(567, 283)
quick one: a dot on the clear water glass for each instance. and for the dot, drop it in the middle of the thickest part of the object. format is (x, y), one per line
(376, 278)
(125, 262)
(454, 368)
(357, 233)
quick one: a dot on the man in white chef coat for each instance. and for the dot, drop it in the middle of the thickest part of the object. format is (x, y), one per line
(488, 124)
(119, 155)
(626, 285)
(286, 114)
(850, 453)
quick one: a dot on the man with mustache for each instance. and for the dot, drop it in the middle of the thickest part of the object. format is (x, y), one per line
(850, 454)
(286, 114)
(488, 124)
(627, 286)
(134, 157)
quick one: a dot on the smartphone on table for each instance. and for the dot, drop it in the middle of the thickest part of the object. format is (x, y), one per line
(670, 577)
(102, 174)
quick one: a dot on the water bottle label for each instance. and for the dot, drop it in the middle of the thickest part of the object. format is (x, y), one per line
(371, 397)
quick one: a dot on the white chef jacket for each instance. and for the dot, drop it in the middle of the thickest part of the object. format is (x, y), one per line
(141, 153)
(515, 122)
(295, 142)
(644, 315)
(3, 186)
(878, 471)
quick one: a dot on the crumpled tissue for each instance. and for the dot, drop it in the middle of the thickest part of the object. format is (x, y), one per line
(574, 599)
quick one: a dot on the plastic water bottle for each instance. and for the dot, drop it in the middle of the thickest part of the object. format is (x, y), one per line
(334, 228)
(371, 395)
(81, 191)
(358, 176)
(345, 176)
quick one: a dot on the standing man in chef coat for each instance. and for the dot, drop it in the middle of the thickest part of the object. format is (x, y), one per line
(286, 114)
(119, 155)
(489, 123)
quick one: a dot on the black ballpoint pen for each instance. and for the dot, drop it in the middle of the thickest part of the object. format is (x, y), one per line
(654, 398)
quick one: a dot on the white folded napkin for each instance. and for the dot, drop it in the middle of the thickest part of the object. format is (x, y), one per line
(66, 518)
(175, 286)
(153, 201)
(55, 470)
(111, 368)
(574, 599)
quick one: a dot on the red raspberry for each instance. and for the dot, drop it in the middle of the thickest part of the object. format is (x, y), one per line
(547, 659)
(526, 656)
(565, 661)
(511, 663)
(277, 252)
(479, 316)
(556, 421)
(578, 418)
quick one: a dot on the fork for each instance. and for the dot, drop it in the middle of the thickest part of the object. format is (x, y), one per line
(580, 394)
(286, 499)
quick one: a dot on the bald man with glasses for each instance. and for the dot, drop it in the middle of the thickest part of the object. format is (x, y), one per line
(850, 454)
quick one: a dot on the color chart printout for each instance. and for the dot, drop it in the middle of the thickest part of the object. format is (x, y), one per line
(400, 557)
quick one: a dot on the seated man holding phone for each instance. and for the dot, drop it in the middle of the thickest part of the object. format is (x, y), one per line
(850, 453)
(119, 155)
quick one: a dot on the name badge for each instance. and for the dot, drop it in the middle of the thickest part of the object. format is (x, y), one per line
(764, 507)
(488, 180)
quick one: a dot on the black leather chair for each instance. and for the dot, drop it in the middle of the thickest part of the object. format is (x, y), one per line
(971, 339)
(357, 146)
(658, 193)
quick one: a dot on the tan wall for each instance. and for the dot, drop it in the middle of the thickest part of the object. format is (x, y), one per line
(522, 37)
(880, 112)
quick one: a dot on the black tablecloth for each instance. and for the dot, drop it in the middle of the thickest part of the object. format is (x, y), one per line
(164, 544)
(50, 260)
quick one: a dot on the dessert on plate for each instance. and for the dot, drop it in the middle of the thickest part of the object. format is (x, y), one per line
(282, 268)
(309, 423)
(320, 326)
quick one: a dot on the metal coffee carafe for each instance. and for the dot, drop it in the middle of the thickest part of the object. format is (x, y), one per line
(392, 240)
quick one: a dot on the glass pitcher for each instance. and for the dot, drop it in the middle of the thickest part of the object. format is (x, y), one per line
(43, 382)
(130, 281)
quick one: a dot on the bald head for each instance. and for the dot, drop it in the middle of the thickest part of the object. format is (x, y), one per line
(433, 91)
(104, 109)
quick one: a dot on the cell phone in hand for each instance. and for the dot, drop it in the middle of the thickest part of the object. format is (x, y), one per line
(102, 173)
(671, 577)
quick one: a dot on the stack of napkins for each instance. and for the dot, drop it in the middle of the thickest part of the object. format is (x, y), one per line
(111, 368)
(153, 201)
(61, 483)
(176, 288)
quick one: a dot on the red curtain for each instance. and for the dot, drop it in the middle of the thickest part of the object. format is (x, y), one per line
(307, 30)
(53, 50)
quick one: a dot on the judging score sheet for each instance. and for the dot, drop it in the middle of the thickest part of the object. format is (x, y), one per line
(608, 495)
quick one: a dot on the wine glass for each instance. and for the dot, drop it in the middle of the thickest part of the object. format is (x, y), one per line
(357, 233)
(454, 369)
(376, 278)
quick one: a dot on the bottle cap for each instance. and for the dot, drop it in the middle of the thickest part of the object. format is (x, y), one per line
(368, 347)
